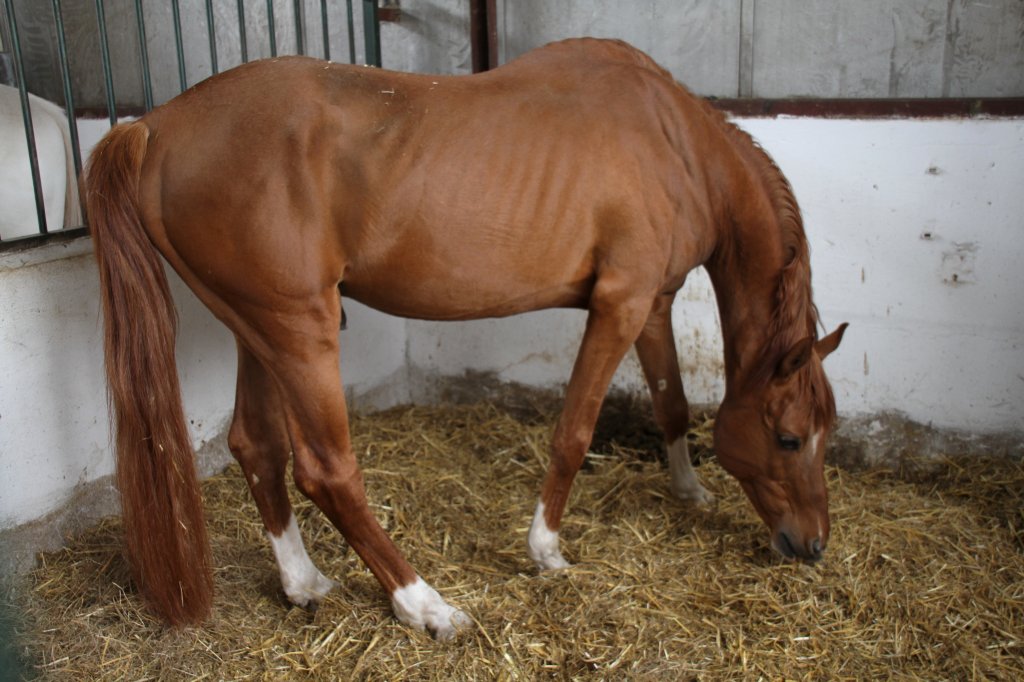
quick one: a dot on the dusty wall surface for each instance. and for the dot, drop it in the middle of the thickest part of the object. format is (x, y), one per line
(789, 48)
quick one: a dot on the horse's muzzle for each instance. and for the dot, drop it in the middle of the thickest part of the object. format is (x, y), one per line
(810, 551)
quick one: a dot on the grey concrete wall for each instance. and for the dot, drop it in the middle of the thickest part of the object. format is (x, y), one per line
(786, 48)
(695, 39)
(724, 48)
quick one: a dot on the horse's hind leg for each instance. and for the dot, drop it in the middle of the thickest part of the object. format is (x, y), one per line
(299, 346)
(656, 349)
(259, 441)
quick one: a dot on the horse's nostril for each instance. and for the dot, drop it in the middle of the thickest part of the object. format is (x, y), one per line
(816, 549)
(785, 546)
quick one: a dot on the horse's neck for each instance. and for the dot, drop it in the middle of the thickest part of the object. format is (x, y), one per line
(745, 271)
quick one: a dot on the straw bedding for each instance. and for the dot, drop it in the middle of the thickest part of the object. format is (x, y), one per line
(923, 579)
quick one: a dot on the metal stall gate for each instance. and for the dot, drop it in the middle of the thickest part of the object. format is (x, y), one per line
(145, 53)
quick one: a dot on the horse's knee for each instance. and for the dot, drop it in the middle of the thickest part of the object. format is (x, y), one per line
(568, 448)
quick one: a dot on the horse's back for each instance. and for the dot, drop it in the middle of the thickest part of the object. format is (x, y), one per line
(511, 185)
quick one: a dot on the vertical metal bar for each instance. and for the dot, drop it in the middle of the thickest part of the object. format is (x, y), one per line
(478, 34)
(371, 32)
(271, 29)
(147, 76)
(108, 77)
(351, 34)
(176, 11)
(212, 33)
(241, 31)
(300, 26)
(65, 74)
(327, 33)
(26, 115)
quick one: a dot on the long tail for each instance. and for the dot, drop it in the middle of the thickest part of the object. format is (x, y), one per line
(165, 532)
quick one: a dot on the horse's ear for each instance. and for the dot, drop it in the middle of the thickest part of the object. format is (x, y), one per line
(798, 356)
(830, 342)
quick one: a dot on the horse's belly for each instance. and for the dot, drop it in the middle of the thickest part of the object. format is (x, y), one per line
(453, 298)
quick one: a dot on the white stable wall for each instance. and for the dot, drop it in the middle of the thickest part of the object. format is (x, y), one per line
(917, 236)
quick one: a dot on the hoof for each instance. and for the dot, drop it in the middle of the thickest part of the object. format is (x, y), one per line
(542, 544)
(548, 559)
(420, 606)
(311, 592)
(697, 495)
(445, 630)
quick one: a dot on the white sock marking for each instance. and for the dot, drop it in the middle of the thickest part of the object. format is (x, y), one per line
(684, 482)
(420, 606)
(302, 581)
(543, 543)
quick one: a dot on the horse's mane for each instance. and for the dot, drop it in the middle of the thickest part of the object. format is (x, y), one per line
(794, 316)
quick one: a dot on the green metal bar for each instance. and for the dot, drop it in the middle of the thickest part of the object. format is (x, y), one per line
(147, 76)
(351, 34)
(271, 28)
(300, 26)
(371, 32)
(26, 114)
(327, 33)
(211, 32)
(108, 77)
(241, 31)
(65, 74)
(176, 11)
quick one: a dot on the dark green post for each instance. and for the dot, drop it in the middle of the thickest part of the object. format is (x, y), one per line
(371, 31)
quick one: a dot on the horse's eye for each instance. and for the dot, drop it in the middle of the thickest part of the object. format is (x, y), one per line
(789, 442)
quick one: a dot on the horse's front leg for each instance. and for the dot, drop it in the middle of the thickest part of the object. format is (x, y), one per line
(656, 349)
(616, 317)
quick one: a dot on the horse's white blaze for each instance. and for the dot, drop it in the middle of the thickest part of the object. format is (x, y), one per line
(302, 581)
(420, 606)
(543, 543)
(685, 484)
(814, 444)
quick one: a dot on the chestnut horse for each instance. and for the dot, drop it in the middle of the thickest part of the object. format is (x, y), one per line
(580, 175)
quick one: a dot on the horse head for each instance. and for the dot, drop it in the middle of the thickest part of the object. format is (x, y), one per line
(771, 437)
